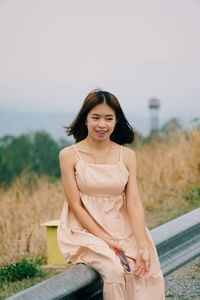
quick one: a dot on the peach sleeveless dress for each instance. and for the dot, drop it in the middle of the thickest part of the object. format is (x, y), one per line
(101, 189)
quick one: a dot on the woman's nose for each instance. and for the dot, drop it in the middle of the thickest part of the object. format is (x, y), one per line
(101, 123)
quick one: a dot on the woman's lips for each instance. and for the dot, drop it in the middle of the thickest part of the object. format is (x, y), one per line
(101, 132)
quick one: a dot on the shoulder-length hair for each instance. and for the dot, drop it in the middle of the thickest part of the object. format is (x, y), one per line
(123, 132)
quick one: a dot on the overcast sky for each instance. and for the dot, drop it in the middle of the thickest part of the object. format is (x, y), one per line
(53, 52)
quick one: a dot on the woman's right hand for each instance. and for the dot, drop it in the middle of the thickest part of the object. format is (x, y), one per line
(143, 262)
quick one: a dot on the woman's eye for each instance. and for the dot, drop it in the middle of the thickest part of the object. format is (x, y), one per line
(97, 118)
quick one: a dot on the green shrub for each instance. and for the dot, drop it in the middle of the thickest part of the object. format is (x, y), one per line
(20, 270)
(193, 196)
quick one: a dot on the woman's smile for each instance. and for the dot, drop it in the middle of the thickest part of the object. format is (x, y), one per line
(101, 132)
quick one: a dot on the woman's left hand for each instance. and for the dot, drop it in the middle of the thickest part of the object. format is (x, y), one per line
(143, 262)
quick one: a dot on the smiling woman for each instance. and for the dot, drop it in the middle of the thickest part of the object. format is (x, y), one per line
(122, 133)
(102, 223)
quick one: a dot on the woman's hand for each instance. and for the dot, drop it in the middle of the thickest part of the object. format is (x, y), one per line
(143, 262)
(114, 244)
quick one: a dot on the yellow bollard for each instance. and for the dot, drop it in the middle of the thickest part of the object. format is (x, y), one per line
(54, 256)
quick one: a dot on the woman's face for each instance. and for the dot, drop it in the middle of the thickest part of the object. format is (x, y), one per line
(101, 122)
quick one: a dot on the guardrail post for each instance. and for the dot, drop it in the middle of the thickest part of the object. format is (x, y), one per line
(53, 254)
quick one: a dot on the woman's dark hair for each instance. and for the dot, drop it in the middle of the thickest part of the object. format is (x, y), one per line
(123, 132)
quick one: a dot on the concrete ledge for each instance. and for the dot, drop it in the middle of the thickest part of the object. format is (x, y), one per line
(177, 243)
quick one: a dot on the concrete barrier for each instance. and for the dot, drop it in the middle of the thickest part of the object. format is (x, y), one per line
(177, 243)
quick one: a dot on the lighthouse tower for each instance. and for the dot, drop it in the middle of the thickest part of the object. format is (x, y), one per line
(154, 105)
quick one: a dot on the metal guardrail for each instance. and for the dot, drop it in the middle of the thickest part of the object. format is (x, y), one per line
(177, 242)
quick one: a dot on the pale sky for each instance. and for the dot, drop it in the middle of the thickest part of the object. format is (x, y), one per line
(53, 52)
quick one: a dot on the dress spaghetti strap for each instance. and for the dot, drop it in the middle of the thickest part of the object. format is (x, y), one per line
(77, 152)
(121, 153)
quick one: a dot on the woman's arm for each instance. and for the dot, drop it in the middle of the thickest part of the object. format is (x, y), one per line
(72, 194)
(137, 215)
(134, 203)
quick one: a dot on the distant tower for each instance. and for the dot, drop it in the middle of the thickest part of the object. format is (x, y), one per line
(154, 105)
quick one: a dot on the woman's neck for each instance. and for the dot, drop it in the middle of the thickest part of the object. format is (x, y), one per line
(98, 145)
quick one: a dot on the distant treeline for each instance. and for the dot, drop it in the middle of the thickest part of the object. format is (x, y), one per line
(37, 153)
(33, 153)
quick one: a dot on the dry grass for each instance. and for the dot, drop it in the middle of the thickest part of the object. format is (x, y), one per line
(167, 169)
(22, 211)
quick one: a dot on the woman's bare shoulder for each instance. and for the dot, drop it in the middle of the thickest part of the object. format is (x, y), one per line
(129, 156)
(129, 152)
(67, 155)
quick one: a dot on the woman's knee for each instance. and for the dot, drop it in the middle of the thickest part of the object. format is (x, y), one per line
(114, 272)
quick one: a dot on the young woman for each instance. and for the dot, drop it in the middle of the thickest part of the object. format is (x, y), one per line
(103, 222)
